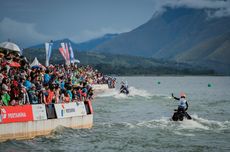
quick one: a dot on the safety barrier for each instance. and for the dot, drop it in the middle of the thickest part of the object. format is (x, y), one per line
(11, 114)
(24, 113)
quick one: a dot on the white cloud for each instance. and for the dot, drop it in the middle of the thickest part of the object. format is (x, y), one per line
(25, 34)
(21, 33)
(219, 12)
(216, 8)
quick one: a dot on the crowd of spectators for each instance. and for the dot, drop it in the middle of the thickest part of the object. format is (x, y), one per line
(21, 84)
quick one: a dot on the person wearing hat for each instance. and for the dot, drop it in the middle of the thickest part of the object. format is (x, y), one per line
(23, 96)
(183, 104)
(33, 95)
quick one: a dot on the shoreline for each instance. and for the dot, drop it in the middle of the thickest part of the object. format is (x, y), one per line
(172, 76)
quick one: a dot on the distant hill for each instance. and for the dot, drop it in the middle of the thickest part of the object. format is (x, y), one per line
(215, 53)
(91, 44)
(180, 34)
(84, 46)
(121, 64)
(56, 44)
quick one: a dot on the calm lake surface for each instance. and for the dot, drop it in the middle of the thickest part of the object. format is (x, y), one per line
(140, 122)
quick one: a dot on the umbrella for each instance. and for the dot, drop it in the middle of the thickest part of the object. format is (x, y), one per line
(10, 46)
(15, 64)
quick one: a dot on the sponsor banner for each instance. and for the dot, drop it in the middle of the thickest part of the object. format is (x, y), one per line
(10, 114)
(100, 86)
(64, 110)
(72, 109)
(81, 109)
(39, 112)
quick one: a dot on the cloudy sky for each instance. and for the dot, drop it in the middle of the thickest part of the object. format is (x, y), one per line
(29, 22)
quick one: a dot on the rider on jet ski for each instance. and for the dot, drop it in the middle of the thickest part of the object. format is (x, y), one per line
(183, 105)
(124, 87)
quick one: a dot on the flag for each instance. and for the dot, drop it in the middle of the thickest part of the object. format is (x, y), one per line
(62, 52)
(71, 53)
(65, 52)
(48, 47)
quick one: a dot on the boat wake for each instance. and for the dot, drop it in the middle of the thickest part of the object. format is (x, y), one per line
(133, 92)
(196, 124)
(139, 92)
(212, 124)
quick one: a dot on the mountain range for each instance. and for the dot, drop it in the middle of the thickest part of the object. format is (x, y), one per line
(180, 35)
(84, 46)
(113, 64)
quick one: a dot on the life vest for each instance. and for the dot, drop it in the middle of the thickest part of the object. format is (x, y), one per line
(182, 103)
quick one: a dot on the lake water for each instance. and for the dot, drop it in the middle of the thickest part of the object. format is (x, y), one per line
(140, 122)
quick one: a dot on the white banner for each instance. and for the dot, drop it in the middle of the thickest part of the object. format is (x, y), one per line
(71, 54)
(47, 53)
(39, 112)
(72, 109)
(48, 48)
(81, 109)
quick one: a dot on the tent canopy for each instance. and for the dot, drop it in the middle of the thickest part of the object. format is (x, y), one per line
(75, 61)
(10, 46)
(36, 63)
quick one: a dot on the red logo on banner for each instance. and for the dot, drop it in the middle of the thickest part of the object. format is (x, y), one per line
(11, 114)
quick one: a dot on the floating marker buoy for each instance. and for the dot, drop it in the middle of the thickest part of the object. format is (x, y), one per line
(209, 85)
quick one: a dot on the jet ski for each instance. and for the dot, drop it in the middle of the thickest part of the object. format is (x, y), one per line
(124, 90)
(179, 115)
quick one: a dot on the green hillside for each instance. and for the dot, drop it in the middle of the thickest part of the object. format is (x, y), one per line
(122, 64)
(211, 49)
(214, 52)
